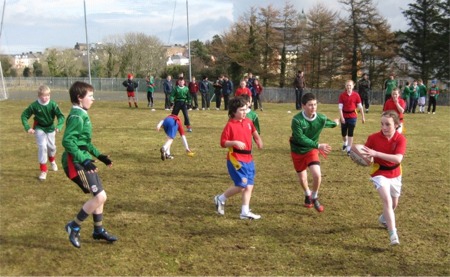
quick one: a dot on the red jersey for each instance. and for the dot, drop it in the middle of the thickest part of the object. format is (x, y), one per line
(390, 105)
(241, 91)
(193, 87)
(396, 145)
(350, 103)
(241, 131)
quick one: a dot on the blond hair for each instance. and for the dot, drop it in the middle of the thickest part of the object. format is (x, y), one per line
(43, 90)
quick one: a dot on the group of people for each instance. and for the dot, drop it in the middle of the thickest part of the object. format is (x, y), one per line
(387, 147)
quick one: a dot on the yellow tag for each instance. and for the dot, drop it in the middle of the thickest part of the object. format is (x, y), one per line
(237, 165)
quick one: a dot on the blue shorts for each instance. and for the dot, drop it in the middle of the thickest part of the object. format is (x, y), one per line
(244, 176)
(170, 127)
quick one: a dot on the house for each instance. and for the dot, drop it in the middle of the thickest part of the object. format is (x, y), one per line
(26, 59)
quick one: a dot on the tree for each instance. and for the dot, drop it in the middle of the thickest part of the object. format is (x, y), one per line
(427, 38)
(26, 72)
(37, 69)
(318, 45)
(361, 14)
(6, 65)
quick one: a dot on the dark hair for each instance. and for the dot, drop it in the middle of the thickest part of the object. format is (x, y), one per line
(308, 97)
(392, 114)
(234, 104)
(79, 90)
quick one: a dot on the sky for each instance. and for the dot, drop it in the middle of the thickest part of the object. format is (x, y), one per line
(33, 26)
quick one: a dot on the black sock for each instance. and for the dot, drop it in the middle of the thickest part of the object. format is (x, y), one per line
(98, 222)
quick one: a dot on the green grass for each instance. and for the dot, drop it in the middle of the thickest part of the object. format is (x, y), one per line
(164, 216)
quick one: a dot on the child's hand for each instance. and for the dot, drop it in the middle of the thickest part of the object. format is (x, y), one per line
(239, 145)
(31, 131)
(337, 121)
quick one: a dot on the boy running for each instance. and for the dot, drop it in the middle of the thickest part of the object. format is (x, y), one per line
(44, 111)
(305, 148)
(237, 137)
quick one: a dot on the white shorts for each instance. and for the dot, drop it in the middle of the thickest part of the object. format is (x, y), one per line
(421, 101)
(394, 183)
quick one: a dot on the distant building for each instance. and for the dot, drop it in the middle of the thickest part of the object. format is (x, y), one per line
(26, 59)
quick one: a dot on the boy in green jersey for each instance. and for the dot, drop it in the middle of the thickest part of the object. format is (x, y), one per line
(78, 163)
(44, 110)
(305, 148)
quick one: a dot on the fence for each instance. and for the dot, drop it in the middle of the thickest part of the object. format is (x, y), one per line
(270, 94)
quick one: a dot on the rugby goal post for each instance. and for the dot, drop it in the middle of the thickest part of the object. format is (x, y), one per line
(3, 92)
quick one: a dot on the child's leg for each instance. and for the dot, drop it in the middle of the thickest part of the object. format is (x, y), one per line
(317, 179)
(51, 146)
(388, 210)
(41, 141)
(303, 179)
(167, 145)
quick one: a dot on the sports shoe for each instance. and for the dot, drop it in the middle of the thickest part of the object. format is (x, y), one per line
(163, 153)
(189, 130)
(250, 216)
(103, 235)
(308, 202)
(74, 235)
(169, 157)
(344, 147)
(43, 176)
(220, 206)
(382, 221)
(54, 166)
(394, 239)
(317, 205)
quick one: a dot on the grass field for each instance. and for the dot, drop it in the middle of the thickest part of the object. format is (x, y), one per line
(164, 215)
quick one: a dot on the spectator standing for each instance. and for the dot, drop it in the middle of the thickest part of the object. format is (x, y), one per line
(193, 90)
(389, 85)
(218, 91)
(204, 90)
(397, 104)
(150, 80)
(167, 88)
(299, 86)
(414, 98)
(227, 90)
(257, 91)
(422, 96)
(406, 93)
(131, 86)
(364, 91)
(433, 93)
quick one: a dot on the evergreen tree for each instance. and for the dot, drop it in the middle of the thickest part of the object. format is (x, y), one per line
(426, 46)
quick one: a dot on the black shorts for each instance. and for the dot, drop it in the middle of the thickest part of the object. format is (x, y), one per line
(88, 182)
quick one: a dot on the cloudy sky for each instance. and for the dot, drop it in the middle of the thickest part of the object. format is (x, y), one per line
(33, 25)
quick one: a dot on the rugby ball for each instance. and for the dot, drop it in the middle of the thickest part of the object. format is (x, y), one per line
(359, 156)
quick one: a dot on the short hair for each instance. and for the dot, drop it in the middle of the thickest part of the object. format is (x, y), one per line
(234, 104)
(79, 90)
(43, 90)
(392, 114)
(308, 97)
(246, 97)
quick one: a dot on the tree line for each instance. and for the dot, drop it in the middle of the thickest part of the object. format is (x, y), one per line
(274, 43)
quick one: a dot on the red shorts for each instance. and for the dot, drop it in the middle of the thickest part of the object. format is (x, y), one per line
(130, 93)
(302, 161)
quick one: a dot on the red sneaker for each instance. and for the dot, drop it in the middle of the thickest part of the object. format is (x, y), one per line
(317, 205)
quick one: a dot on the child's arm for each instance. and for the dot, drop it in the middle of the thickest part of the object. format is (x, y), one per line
(258, 140)
(393, 158)
(159, 125)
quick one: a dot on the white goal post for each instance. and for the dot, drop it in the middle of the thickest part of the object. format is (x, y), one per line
(3, 92)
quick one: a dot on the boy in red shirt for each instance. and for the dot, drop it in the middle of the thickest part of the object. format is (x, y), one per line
(387, 148)
(237, 137)
(349, 101)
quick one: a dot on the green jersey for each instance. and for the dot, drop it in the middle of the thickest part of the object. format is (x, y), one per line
(389, 86)
(77, 137)
(44, 116)
(406, 93)
(306, 131)
(253, 116)
(422, 90)
(180, 94)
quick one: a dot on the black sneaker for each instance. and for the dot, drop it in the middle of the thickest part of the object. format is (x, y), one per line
(344, 147)
(74, 235)
(103, 235)
(308, 202)
(163, 153)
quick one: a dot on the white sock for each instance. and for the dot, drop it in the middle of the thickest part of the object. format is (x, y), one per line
(222, 198)
(314, 194)
(245, 209)
(307, 192)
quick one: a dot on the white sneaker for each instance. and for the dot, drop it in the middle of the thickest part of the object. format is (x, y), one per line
(394, 239)
(382, 221)
(54, 166)
(43, 176)
(220, 206)
(250, 216)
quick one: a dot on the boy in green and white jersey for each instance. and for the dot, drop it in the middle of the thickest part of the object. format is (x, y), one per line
(44, 110)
